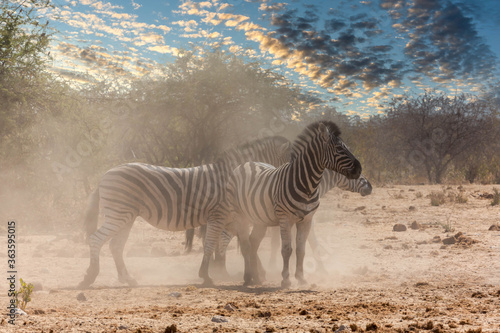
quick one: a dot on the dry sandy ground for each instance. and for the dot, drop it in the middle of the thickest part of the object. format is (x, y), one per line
(376, 279)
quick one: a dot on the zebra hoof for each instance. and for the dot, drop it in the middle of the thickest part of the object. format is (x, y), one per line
(128, 280)
(83, 285)
(285, 284)
(132, 283)
(302, 281)
(207, 282)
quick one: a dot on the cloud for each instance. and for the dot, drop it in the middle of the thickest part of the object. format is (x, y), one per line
(443, 41)
(338, 56)
(164, 49)
(188, 26)
(98, 61)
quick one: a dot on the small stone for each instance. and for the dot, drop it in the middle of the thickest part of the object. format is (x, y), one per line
(19, 312)
(263, 314)
(122, 327)
(81, 297)
(342, 328)
(171, 329)
(230, 307)
(219, 319)
(399, 227)
(303, 312)
(415, 225)
(494, 227)
(175, 294)
(436, 239)
(449, 241)
(478, 294)
(412, 208)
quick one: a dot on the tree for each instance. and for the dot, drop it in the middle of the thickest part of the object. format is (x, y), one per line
(204, 105)
(434, 131)
(23, 52)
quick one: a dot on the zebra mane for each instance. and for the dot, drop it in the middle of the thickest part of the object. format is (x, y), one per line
(276, 139)
(240, 150)
(308, 132)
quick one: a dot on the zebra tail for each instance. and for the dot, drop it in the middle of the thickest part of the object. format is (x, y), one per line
(92, 214)
(189, 240)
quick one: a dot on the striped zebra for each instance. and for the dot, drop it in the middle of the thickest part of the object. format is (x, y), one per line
(263, 195)
(167, 198)
(330, 180)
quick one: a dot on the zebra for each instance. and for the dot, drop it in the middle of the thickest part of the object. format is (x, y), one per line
(167, 198)
(330, 180)
(263, 195)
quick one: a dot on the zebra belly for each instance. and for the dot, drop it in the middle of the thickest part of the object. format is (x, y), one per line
(169, 199)
(253, 190)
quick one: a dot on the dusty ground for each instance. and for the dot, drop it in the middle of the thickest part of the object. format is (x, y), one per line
(376, 279)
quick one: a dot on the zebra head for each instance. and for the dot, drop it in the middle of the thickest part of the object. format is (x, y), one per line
(360, 185)
(337, 156)
(365, 187)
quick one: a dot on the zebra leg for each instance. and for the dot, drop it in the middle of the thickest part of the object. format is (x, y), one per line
(258, 233)
(317, 250)
(303, 229)
(214, 230)
(286, 252)
(189, 241)
(220, 254)
(275, 244)
(246, 250)
(116, 246)
(96, 241)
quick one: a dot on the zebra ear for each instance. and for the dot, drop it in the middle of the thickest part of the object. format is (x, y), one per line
(323, 130)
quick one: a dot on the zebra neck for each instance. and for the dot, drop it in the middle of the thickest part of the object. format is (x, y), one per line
(307, 173)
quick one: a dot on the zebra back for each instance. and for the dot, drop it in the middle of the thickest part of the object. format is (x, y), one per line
(179, 198)
(274, 150)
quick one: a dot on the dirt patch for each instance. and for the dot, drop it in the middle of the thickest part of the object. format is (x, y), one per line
(372, 279)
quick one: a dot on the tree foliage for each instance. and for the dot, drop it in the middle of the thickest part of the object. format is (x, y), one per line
(24, 38)
(203, 105)
(433, 131)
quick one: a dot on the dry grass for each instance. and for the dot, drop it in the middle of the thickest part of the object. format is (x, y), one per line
(496, 197)
(437, 198)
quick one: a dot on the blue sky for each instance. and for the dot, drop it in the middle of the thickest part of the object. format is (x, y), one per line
(356, 55)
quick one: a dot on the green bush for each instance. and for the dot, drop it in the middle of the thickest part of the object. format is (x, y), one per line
(23, 295)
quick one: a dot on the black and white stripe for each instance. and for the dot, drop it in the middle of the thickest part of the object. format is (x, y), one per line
(167, 198)
(330, 180)
(263, 195)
